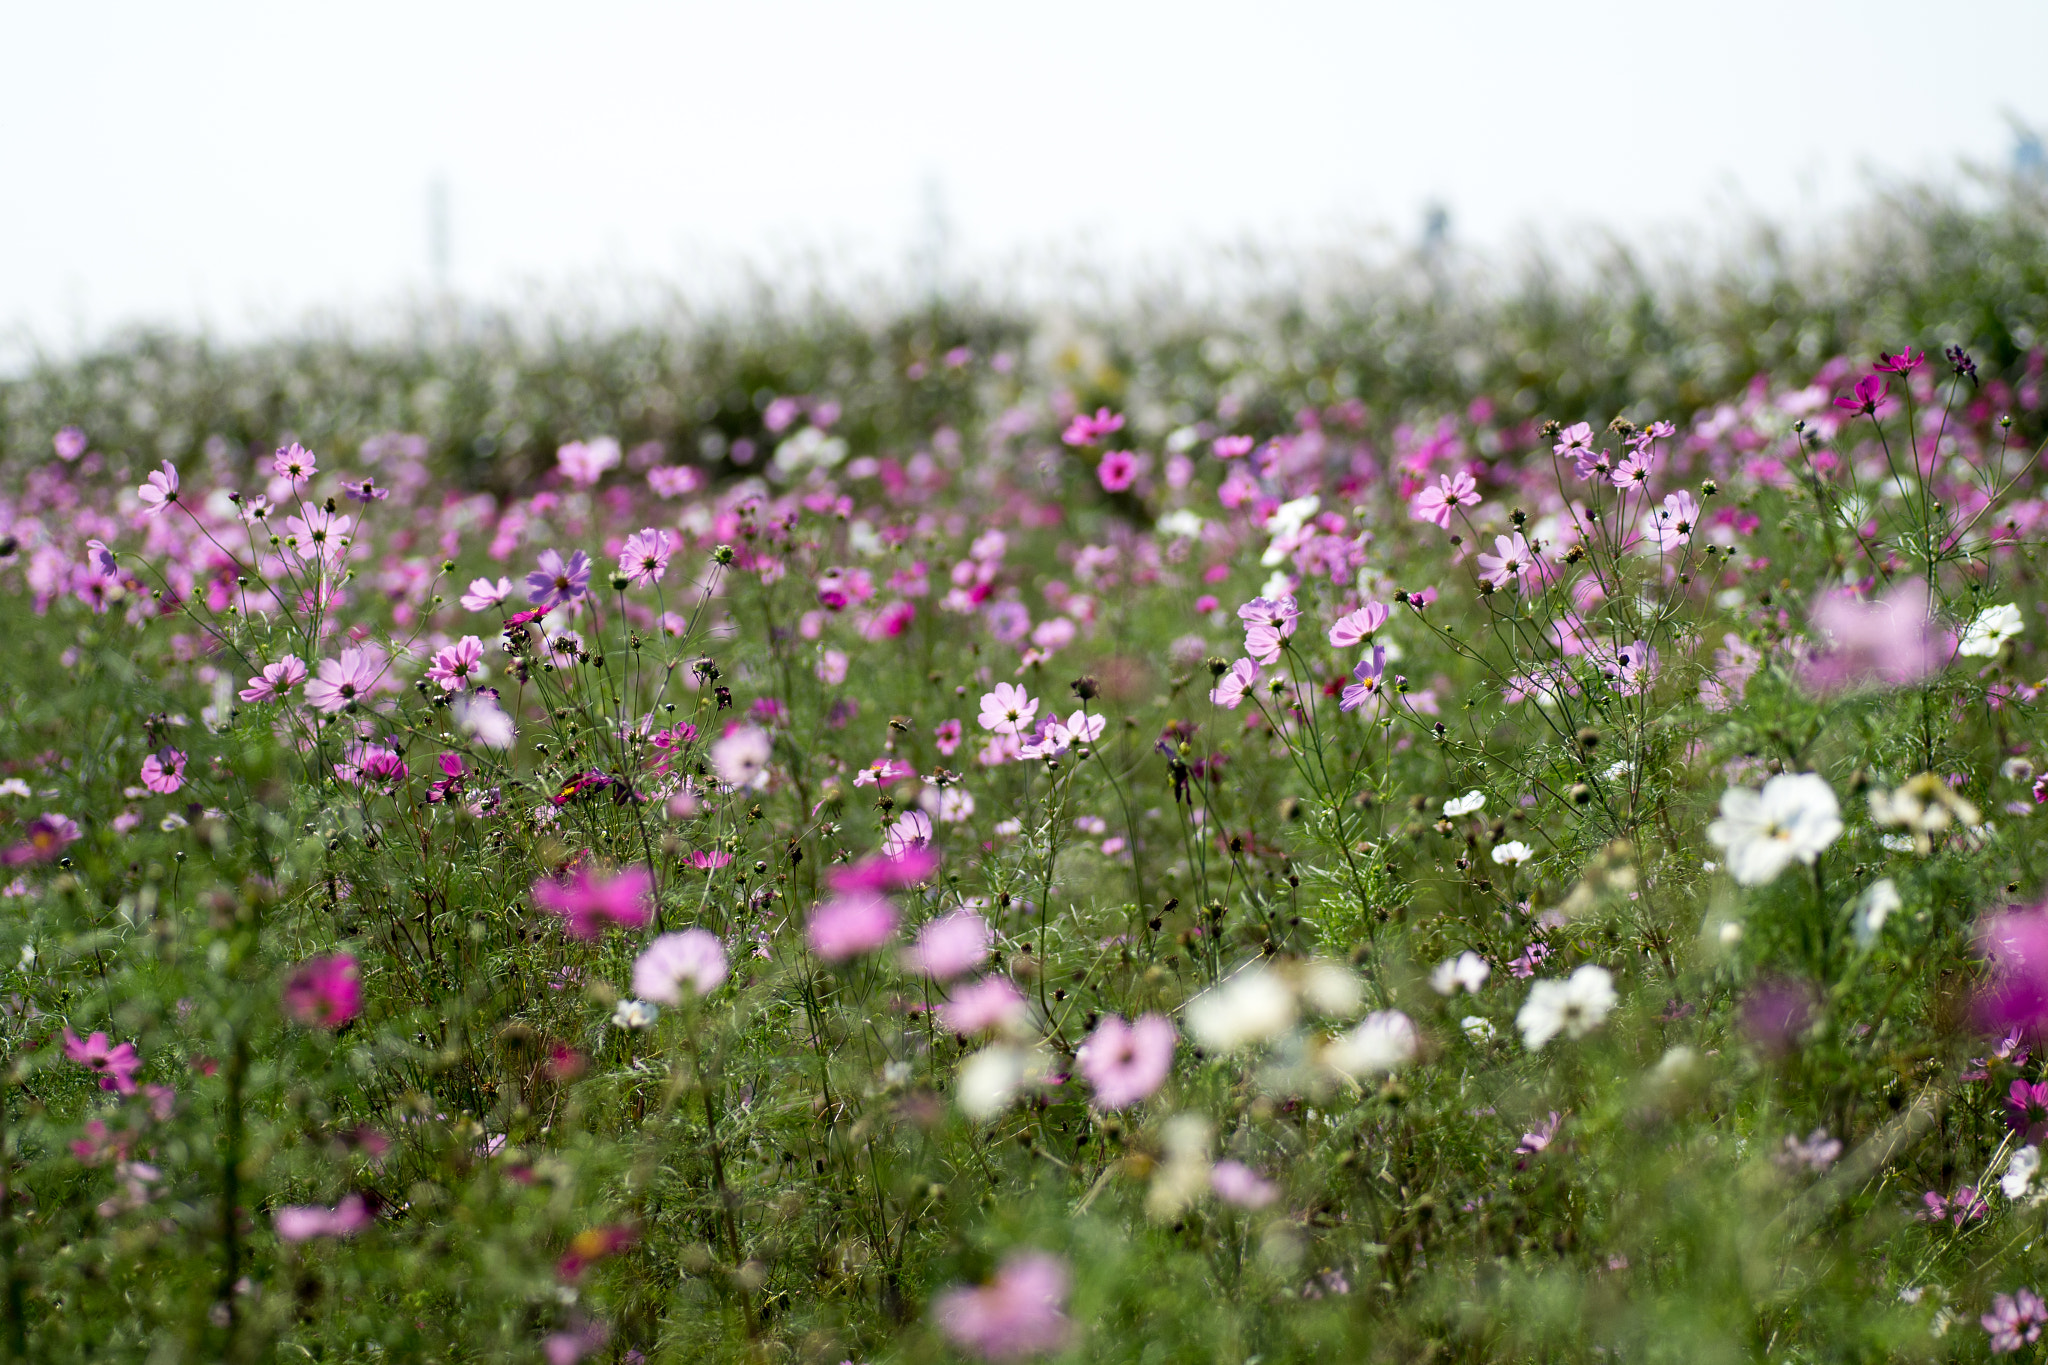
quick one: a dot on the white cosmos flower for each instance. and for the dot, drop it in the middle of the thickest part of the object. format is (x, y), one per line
(1512, 853)
(1873, 909)
(635, 1014)
(1574, 1006)
(1383, 1043)
(2020, 1170)
(1252, 1007)
(990, 1079)
(1467, 970)
(1987, 634)
(1464, 805)
(1793, 818)
(1477, 1028)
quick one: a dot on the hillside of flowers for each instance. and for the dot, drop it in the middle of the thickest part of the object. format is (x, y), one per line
(1436, 818)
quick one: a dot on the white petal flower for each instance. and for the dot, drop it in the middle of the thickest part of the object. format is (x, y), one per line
(1252, 1007)
(1477, 1028)
(1793, 818)
(990, 1079)
(635, 1014)
(2020, 1170)
(1468, 971)
(1464, 805)
(1574, 1006)
(1987, 634)
(1512, 853)
(1877, 904)
(1384, 1042)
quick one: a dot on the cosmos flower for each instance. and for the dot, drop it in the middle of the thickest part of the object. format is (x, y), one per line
(589, 904)
(294, 463)
(1268, 623)
(1230, 689)
(325, 992)
(1124, 1062)
(344, 681)
(1575, 1006)
(163, 772)
(455, 665)
(1357, 627)
(114, 1065)
(483, 594)
(950, 945)
(1434, 505)
(1018, 1314)
(160, 491)
(1366, 681)
(1382, 1043)
(276, 679)
(1008, 710)
(693, 957)
(645, 557)
(1512, 563)
(558, 582)
(1793, 819)
(851, 924)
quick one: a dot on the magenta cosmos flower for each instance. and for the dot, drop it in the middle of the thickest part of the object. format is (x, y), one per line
(591, 904)
(2015, 945)
(645, 556)
(1008, 710)
(1268, 622)
(1127, 1062)
(1018, 1314)
(344, 681)
(950, 945)
(558, 581)
(850, 924)
(693, 957)
(455, 665)
(163, 772)
(324, 992)
(1868, 397)
(115, 1066)
(45, 839)
(1086, 431)
(160, 491)
(276, 679)
(889, 872)
(1118, 471)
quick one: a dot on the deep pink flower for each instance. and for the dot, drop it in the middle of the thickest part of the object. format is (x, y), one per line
(1127, 1062)
(946, 737)
(276, 679)
(344, 681)
(850, 924)
(592, 904)
(47, 836)
(1084, 430)
(324, 992)
(558, 582)
(303, 1222)
(1905, 360)
(1018, 1314)
(160, 491)
(1118, 471)
(1892, 642)
(950, 945)
(1359, 626)
(2026, 1110)
(115, 1066)
(2015, 946)
(163, 772)
(646, 555)
(454, 665)
(883, 873)
(1868, 398)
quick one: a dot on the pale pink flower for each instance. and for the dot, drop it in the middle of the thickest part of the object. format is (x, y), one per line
(1230, 689)
(912, 831)
(1124, 1062)
(584, 462)
(1671, 525)
(988, 1003)
(483, 594)
(946, 737)
(1018, 1314)
(1892, 642)
(454, 666)
(1268, 623)
(276, 680)
(318, 534)
(294, 463)
(303, 1222)
(1236, 1183)
(831, 668)
(69, 443)
(950, 945)
(160, 491)
(693, 957)
(1435, 504)
(850, 924)
(344, 681)
(1359, 626)
(1008, 710)
(1514, 562)
(646, 555)
(740, 756)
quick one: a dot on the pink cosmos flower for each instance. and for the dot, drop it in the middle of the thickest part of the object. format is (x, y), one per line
(1513, 563)
(740, 756)
(325, 991)
(912, 830)
(991, 1002)
(1118, 471)
(2015, 946)
(645, 558)
(318, 534)
(584, 463)
(1366, 683)
(2015, 1320)
(296, 463)
(1435, 504)
(1905, 360)
(693, 957)
(69, 443)
(1267, 625)
(303, 1222)
(850, 924)
(1084, 430)
(160, 491)
(1671, 525)
(115, 1066)
(950, 945)
(1236, 1183)
(1230, 689)
(101, 559)
(885, 872)
(1018, 1314)
(591, 904)
(47, 836)
(558, 582)
(1008, 710)
(674, 481)
(1635, 668)
(1232, 447)
(276, 679)
(1358, 626)
(455, 665)
(484, 594)
(344, 681)
(1869, 396)
(1892, 642)
(946, 737)
(831, 668)
(163, 772)
(1634, 469)
(1127, 1062)
(882, 772)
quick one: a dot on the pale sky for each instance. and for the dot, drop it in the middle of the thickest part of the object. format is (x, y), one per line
(236, 166)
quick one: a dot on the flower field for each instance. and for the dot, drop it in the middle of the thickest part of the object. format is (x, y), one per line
(1436, 822)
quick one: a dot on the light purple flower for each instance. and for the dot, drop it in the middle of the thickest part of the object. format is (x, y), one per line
(1236, 1183)
(160, 491)
(1367, 680)
(484, 594)
(558, 582)
(1018, 1314)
